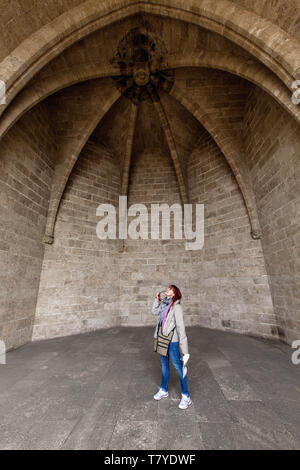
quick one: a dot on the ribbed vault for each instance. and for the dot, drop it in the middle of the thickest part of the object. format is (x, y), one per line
(91, 59)
(139, 68)
(227, 19)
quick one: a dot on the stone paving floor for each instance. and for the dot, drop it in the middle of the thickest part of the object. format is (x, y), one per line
(95, 391)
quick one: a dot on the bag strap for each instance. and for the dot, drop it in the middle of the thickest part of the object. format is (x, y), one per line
(165, 336)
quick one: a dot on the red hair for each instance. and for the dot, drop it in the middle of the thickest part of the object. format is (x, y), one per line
(177, 293)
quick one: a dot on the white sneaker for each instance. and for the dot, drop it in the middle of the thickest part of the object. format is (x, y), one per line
(160, 394)
(185, 402)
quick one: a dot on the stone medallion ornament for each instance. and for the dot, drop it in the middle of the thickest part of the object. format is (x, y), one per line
(143, 68)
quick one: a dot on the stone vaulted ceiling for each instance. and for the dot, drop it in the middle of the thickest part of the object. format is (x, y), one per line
(150, 80)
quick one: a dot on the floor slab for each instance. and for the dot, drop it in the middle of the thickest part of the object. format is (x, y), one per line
(95, 391)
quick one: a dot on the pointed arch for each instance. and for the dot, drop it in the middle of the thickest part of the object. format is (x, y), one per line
(68, 155)
(254, 72)
(230, 152)
(272, 46)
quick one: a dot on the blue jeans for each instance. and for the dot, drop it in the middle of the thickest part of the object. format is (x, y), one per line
(177, 362)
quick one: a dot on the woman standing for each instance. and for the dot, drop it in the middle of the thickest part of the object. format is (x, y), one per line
(171, 316)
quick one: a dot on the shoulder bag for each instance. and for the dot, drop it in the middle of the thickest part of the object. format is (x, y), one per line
(162, 342)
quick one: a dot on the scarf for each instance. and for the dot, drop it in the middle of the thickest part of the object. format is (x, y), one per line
(163, 311)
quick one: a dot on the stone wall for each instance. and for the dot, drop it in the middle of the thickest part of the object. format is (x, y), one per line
(79, 288)
(224, 285)
(87, 284)
(233, 284)
(26, 167)
(147, 266)
(273, 141)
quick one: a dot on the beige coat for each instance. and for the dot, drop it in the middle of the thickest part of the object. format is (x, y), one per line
(174, 318)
